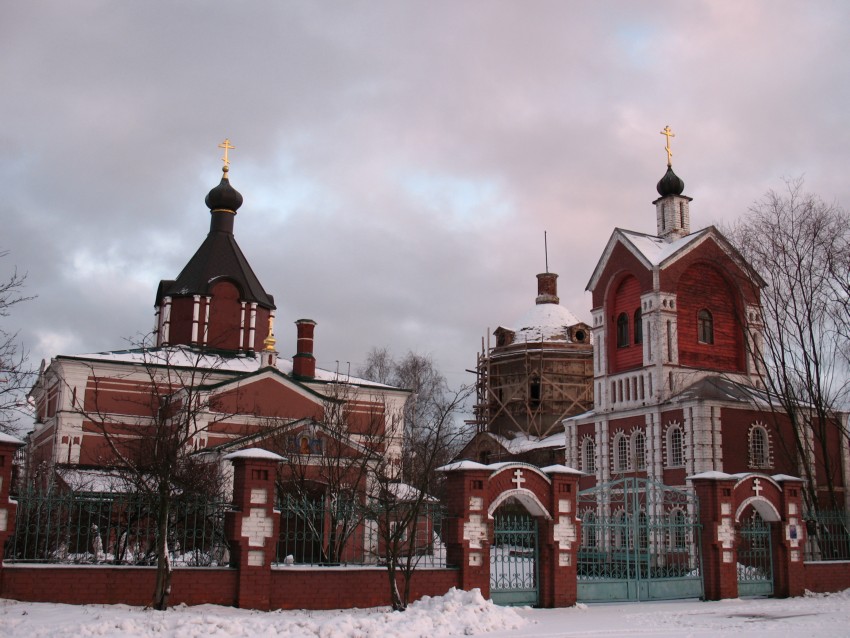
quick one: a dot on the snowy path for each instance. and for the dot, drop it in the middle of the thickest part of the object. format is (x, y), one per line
(455, 614)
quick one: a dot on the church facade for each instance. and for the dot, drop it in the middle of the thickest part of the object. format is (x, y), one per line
(677, 390)
(213, 347)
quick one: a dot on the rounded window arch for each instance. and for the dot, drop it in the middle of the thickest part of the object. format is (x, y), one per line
(638, 326)
(621, 453)
(675, 446)
(639, 449)
(622, 330)
(705, 326)
(588, 455)
(759, 446)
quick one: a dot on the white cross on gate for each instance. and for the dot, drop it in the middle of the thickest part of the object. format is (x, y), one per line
(518, 479)
(757, 488)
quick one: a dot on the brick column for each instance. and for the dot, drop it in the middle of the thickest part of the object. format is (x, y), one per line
(789, 539)
(717, 540)
(8, 508)
(252, 528)
(469, 532)
(559, 540)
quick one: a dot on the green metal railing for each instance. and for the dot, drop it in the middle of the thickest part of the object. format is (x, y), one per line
(113, 528)
(827, 535)
(324, 531)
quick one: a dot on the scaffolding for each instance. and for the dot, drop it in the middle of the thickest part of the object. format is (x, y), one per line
(531, 387)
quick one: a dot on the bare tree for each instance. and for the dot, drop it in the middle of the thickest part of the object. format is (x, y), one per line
(405, 511)
(430, 400)
(15, 374)
(329, 463)
(148, 416)
(800, 245)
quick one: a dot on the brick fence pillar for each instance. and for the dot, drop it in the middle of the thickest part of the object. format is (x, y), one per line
(789, 540)
(252, 528)
(468, 534)
(559, 540)
(717, 539)
(8, 508)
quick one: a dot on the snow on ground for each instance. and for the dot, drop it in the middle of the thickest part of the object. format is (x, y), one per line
(455, 614)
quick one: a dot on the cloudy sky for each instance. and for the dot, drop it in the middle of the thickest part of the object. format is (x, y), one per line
(400, 161)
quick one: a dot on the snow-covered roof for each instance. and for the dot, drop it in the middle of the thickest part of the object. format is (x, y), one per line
(93, 480)
(178, 356)
(523, 442)
(254, 453)
(655, 249)
(404, 492)
(545, 322)
(462, 465)
(8, 438)
(561, 469)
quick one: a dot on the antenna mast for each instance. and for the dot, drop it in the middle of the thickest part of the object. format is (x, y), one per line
(546, 250)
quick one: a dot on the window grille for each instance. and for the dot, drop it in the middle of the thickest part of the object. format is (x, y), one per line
(589, 455)
(621, 459)
(759, 447)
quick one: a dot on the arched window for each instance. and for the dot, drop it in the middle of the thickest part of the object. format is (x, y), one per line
(621, 453)
(759, 447)
(705, 326)
(638, 326)
(675, 451)
(639, 446)
(588, 455)
(622, 330)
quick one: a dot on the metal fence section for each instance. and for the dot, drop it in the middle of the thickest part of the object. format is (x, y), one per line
(640, 541)
(324, 531)
(115, 528)
(827, 535)
(514, 564)
(755, 557)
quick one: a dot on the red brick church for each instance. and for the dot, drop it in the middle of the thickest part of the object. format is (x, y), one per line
(677, 390)
(214, 341)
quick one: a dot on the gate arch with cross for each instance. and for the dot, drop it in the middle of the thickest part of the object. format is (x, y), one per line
(515, 531)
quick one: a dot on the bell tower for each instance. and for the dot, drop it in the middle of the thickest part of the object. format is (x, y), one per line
(216, 302)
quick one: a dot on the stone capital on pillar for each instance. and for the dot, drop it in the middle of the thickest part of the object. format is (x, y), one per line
(252, 527)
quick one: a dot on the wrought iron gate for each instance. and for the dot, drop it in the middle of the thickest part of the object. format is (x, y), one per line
(755, 557)
(639, 541)
(513, 560)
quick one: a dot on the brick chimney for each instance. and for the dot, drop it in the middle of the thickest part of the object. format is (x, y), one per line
(547, 288)
(304, 363)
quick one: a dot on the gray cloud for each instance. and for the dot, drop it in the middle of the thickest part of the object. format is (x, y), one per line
(399, 161)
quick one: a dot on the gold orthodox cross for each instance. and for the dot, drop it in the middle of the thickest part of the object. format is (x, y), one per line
(226, 145)
(668, 134)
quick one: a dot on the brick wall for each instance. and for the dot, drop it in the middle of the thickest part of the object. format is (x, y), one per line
(828, 577)
(114, 585)
(340, 588)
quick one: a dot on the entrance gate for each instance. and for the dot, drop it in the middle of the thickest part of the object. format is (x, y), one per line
(514, 575)
(639, 541)
(755, 557)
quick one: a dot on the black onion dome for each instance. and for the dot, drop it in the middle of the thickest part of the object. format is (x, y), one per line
(224, 196)
(670, 184)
